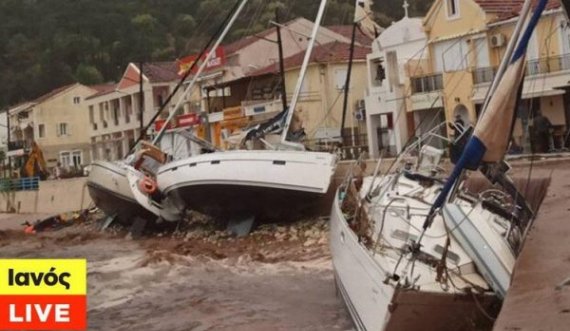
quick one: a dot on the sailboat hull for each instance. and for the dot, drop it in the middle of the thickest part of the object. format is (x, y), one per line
(109, 189)
(374, 305)
(266, 184)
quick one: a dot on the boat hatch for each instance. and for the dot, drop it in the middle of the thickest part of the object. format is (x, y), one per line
(454, 257)
(400, 235)
(278, 162)
(215, 162)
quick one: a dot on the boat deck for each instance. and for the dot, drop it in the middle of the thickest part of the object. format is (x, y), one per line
(534, 302)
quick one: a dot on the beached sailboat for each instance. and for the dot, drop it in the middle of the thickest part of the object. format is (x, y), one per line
(415, 250)
(244, 184)
(109, 189)
(123, 189)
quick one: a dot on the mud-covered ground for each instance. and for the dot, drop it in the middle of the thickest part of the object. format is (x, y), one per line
(197, 278)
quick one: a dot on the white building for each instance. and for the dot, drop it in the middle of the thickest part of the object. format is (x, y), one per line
(114, 113)
(387, 114)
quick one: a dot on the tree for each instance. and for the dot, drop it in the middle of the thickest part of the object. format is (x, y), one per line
(88, 75)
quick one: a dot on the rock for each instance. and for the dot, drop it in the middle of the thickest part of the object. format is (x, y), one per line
(309, 242)
(280, 236)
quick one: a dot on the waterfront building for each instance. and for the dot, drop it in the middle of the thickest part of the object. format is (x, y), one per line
(57, 122)
(114, 113)
(463, 44)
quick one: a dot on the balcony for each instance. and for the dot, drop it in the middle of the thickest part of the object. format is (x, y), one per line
(15, 145)
(484, 75)
(426, 84)
(546, 65)
(426, 92)
(257, 107)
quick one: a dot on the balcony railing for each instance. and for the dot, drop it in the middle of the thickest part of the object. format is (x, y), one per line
(16, 145)
(426, 84)
(548, 65)
(484, 75)
(544, 65)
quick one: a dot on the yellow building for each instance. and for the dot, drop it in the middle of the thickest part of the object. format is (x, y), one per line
(58, 121)
(466, 42)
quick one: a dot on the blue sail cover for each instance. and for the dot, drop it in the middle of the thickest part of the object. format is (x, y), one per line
(492, 133)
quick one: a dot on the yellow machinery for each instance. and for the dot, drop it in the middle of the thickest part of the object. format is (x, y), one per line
(35, 165)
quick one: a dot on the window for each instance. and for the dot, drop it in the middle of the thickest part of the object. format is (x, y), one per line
(451, 55)
(71, 159)
(77, 158)
(62, 129)
(452, 8)
(379, 72)
(116, 116)
(41, 131)
(340, 78)
(76, 100)
(482, 53)
(65, 159)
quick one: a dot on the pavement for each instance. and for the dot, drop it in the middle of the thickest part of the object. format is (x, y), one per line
(539, 297)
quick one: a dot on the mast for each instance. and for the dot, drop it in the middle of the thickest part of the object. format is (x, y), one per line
(302, 73)
(508, 54)
(281, 63)
(488, 143)
(187, 73)
(347, 83)
(200, 70)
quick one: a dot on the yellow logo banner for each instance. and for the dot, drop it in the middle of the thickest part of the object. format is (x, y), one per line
(43, 277)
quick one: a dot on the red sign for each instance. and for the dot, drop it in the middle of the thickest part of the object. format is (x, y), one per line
(181, 121)
(216, 61)
(43, 312)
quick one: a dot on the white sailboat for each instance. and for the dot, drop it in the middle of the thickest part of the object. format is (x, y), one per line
(125, 190)
(253, 183)
(110, 191)
(415, 251)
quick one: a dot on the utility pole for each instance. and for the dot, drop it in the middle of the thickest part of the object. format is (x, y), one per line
(8, 144)
(347, 83)
(281, 64)
(141, 100)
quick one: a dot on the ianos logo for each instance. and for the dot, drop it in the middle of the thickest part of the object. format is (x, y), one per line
(43, 294)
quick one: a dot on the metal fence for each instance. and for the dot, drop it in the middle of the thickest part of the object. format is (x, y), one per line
(544, 65)
(548, 65)
(20, 184)
(484, 75)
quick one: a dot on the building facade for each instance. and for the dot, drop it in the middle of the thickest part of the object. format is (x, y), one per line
(114, 113)
(461, 48)
(467, 40)
(394, 112)
(57, 122)
(246, 96)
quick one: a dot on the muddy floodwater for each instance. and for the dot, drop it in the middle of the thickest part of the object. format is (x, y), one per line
(280, 281)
